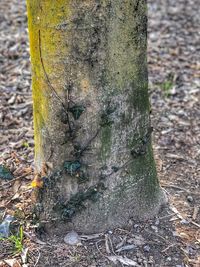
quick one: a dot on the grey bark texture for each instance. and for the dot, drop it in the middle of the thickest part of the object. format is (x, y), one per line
(99, 138)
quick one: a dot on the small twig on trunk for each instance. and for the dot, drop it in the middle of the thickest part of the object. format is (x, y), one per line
(88, 143)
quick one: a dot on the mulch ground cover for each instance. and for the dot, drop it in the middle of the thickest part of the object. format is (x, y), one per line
(172, 239)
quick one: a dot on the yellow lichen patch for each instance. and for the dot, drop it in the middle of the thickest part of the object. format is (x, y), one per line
(48, 37)
(37, 182)
(41, 114)
(39, 177)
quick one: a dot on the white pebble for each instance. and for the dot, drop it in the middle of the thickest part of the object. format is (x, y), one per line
(72, 238)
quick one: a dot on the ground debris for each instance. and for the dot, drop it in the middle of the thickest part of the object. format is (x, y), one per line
(174, 84)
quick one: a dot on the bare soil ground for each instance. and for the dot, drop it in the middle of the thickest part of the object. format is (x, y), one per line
(172, 239)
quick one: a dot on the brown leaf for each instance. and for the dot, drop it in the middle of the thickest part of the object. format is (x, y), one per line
(16, 186)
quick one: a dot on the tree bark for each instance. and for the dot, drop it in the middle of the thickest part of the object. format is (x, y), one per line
(91, 113)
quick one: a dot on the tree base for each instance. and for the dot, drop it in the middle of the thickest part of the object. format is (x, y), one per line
(101, 218)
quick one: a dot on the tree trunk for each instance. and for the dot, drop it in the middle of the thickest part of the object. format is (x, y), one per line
(91, 113)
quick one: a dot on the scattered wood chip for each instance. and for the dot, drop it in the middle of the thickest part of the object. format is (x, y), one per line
(176, 212)
(16, 186)
(3, 264)
(196, 224)
(90, 237)
(124, 260)
(127, 247)
(179, 188)
(174, 156)
(12, 263)
(119, 245)
(184, 235)
(195, 212)
(137, 240)
(107, 245)
(24, 255)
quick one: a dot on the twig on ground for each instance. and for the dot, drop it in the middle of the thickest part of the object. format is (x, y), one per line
(147, 231)
(107, 245)
(38, 258)
(196, 224)
(168, 247)
(179, 188)
(34, 239)
(172, 208)
(181, 217)
(15, 179)
(195, 212)
(111, 244)
(96, 244)
(197, 236)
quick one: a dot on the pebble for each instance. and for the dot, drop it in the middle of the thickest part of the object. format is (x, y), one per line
(72, 238)
(190, 199)
(184, 222)
(146, 248)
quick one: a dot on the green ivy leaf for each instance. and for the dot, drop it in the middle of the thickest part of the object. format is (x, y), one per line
(72, 167)
(5, 174)
(77, 111)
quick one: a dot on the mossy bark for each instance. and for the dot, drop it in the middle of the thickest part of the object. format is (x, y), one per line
(91, 113)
